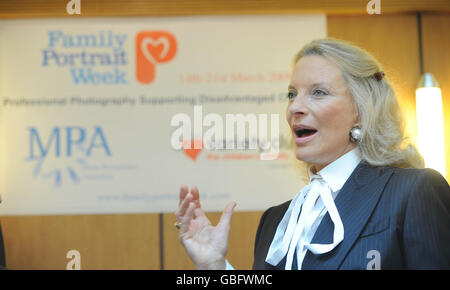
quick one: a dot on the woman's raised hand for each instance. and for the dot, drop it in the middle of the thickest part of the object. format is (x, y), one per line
(205, 244)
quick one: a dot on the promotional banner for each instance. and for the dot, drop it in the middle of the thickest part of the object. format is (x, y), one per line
(114, 115)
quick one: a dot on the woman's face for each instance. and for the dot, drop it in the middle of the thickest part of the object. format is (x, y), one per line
(320, 111)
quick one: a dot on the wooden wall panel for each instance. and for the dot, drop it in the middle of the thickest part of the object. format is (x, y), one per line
(104, 241)
(436, 59)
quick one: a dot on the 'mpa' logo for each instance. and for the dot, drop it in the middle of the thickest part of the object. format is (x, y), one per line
(64, 142)
(153, 47)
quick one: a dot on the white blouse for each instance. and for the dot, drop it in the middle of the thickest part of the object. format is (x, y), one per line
(301, 220)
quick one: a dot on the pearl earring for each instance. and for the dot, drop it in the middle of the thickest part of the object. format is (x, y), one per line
(355, 134)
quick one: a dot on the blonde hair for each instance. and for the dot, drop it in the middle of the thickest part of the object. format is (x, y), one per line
(383, 141)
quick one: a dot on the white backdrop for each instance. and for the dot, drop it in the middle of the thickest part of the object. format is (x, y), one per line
(86, 109)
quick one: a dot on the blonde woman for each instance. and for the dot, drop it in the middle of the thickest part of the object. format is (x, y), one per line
(369, 203)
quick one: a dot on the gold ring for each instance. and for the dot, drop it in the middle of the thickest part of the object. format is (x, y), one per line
(177, 225)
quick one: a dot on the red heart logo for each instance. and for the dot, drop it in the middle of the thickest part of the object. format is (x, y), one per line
(152, 48)
(156, 50)
(194, 150)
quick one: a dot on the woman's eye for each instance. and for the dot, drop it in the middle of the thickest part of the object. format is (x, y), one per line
(291, 94)
(319, 93)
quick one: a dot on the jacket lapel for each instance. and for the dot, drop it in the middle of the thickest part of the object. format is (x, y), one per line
(355, 203)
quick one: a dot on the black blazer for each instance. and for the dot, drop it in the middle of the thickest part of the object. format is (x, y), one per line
(404, 214)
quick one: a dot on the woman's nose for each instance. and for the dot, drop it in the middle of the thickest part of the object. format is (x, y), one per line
(298, 106)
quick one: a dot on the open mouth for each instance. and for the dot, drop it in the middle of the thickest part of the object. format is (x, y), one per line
(302, 132)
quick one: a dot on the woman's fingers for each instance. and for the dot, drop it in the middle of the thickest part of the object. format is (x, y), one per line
(195, 195)
(183, 192)
(225, 219)
(187, 218)
(181, 211)
(186, 198)
(189, 209)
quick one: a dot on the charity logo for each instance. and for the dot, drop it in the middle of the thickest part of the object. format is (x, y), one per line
(255, 138)
(64, 154)
(192, 148)
(152, 49)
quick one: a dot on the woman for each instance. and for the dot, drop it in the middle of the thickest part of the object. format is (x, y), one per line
(369, 204)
